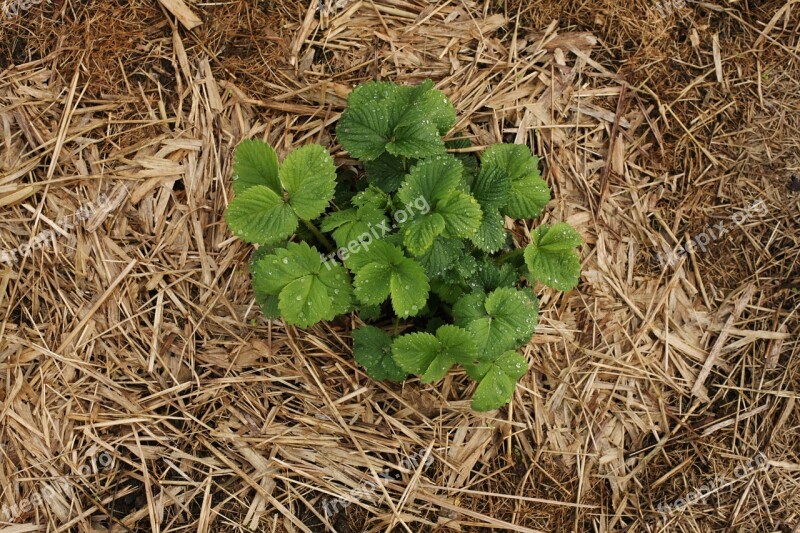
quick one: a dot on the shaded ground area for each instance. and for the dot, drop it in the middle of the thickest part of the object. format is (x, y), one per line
(131, 328)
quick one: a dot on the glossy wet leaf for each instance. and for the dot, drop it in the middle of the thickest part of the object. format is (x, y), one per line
(498, 379)
(372, 348)
(432, 356)
(551, 257)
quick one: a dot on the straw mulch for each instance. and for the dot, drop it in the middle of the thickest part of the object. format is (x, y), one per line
(131, 329)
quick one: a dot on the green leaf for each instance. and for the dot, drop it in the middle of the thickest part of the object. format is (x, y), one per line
(462, 215)
(369, 312)
(337, 281)
(259, 215)
(528, 198)
(364, 131)
(269, 199)
(415, 352)
(274, 272)
(266, 293)
(432, 179)
(383, 271)
(353, 225)
(409, 288)
(558, 237)
(305, 301)
(372, 196)
(551, 257)
(438, 182)
(529, 193)
(448, 290)
(255, 163)
(466, 267)
(373, 283)
(380, 252)
(470, 308)
(498, 380)
(386, 172)
(432, 356)
(262, 251)
(337, 219)
(423, 115)
(372, 349)
(308, 291)
(489, 276)
(373, 91)
(309, 176)
(441, 256)
(428, 103)
(492, 187)
(395, 239)
(491, 235)
(268, 303)
(415, 140)
(267, 299)
(499, 321)
(514, 159)
(405, 121)
(419, 234)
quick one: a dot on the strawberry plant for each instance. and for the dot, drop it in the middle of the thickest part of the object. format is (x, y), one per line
(418, 245)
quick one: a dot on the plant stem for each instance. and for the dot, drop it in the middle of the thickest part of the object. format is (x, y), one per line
(396, 325)
(320, 237)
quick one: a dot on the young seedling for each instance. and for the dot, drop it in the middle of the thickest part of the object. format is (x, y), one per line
(419, 243)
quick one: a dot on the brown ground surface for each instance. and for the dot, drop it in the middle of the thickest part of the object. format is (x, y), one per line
(131, 331)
